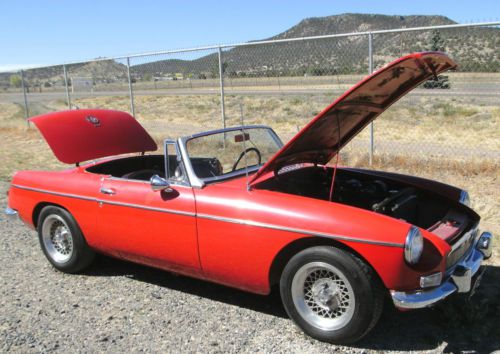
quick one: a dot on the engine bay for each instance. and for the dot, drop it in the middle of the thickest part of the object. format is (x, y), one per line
(378, 196)
(365, 191)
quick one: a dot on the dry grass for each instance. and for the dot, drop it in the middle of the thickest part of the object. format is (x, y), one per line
(429, 137)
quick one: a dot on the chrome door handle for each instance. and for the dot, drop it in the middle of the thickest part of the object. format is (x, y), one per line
(109, 191)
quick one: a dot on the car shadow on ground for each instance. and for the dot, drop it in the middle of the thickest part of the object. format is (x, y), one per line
(105, 266)
(464, 324)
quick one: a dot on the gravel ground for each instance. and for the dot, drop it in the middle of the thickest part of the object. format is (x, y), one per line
(121, 307)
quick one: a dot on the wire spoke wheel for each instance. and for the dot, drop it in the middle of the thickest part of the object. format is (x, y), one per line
(57, 238)
(323, 296)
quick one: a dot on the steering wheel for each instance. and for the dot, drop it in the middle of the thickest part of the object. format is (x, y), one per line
(243, 153)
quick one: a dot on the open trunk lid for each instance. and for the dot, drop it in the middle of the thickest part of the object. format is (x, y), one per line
(87, 134)
(337, 124)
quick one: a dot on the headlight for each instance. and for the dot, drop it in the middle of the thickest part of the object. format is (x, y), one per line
(414, 245)
(464, 198)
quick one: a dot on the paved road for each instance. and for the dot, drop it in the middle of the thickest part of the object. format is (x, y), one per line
(493, 93)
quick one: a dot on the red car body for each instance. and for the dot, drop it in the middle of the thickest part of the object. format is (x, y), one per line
(237, 231)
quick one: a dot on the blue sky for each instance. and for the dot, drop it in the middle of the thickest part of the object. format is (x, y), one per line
(47, 32)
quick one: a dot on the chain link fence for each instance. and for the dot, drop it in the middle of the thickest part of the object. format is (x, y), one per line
(177, 94)
(455, 116)
(284, 84)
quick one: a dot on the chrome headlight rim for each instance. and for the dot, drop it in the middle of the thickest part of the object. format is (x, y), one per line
(414, 246)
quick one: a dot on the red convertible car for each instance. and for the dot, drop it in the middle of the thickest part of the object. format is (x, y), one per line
(237, 207)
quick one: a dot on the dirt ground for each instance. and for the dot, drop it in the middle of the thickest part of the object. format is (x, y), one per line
(122, 307)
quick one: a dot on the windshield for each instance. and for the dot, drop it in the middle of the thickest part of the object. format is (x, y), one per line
(225, 153)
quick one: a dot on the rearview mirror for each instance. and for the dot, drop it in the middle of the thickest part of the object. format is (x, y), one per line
(241, 137)
(159, 184)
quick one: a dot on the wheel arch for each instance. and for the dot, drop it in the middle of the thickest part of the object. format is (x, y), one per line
(298, 245)
(39, 207)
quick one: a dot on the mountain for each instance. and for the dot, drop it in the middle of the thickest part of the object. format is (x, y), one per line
(100, 71)
(474, 49)
(349, 23)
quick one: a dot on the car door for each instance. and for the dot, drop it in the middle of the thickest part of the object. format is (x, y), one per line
(156, 228)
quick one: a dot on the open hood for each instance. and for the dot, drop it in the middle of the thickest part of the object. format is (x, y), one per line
(87, 134)
(337, 124)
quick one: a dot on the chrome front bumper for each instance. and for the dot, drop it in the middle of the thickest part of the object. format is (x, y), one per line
(11, 213)
(459, 281)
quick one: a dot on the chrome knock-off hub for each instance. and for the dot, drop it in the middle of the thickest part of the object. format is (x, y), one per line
(326, 294)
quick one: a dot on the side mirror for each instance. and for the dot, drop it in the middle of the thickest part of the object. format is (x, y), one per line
(159, 184)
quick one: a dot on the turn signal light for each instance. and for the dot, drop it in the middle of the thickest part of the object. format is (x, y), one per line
(431, 280)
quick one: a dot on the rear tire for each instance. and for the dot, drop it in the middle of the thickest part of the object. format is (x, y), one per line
(332, 295)
(62, 241)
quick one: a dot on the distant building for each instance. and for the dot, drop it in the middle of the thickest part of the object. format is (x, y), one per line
(163, 78)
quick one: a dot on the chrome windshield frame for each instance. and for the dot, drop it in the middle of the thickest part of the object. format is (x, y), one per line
(197, 182)
(172, 181)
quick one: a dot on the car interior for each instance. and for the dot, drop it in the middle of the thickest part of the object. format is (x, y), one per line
(144, 167)
(133, 167)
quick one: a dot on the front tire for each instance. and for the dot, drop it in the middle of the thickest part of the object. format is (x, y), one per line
(62, 241)
(331, 294)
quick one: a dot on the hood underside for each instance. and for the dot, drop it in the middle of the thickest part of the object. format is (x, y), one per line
(320, 140)
(88, 134)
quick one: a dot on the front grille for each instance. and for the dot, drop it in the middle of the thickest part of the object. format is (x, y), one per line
(463, 245)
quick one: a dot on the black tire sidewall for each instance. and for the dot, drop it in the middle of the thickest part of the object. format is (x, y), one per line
(81, 255)
(360, 283)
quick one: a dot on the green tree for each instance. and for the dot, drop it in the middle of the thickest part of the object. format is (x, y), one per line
(147, 77)
(15, 80)
(224, 67)
(315, 71)
(215, 69)
(437, 43)
(441, 81)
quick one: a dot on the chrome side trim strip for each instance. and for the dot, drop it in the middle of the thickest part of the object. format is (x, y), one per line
(69, 195)
(300, 231)
(144, 182)
(137, 206)
(219, 218)
(130, 205)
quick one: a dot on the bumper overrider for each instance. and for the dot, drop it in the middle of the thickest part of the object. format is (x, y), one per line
(461, 280)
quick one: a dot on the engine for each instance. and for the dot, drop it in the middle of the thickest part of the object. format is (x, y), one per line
(378, 196)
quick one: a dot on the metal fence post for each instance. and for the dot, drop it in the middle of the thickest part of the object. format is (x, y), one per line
(26, 108)
(221, 77)
(68, 99)
(370, 70)
(130, 91)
